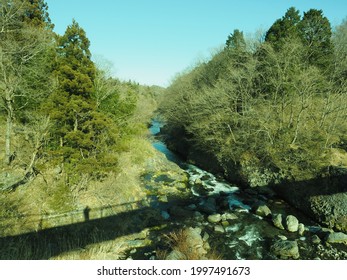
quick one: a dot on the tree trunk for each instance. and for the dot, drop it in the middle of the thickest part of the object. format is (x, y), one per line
(9, 120)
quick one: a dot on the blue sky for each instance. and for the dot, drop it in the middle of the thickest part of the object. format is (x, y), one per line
(149, 41)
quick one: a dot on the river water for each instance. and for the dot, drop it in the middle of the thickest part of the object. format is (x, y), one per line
(243, 234)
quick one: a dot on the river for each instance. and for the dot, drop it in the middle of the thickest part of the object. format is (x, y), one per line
(239, 231)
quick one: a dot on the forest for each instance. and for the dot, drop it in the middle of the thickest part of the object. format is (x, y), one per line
(274, 103)
(83, 175)
(66, 125)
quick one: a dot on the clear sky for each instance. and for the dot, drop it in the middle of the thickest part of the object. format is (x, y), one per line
(149, 41)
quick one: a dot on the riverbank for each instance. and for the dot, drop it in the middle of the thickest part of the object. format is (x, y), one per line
(181, 212)
(269, 231)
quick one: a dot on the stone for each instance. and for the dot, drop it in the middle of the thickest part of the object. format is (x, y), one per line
(285, 249)
(165, 215)
(263, 211)
(225, 224)
(292, 223)
(138, 243)
(195, 241)
(215, 218)
(315, 239)
(205, 237)
(219, 228)
(229, 216)
(191, 207)
(209, 206)
(277, 221)
(198, 181)
(198, 215)
(176, 255)
(163, 198)
(282, 237)
(301, 229)
(337, 237)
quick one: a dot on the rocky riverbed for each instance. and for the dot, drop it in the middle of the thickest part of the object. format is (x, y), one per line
(215, 216)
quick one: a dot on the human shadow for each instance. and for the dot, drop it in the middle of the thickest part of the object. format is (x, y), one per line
(50, 242)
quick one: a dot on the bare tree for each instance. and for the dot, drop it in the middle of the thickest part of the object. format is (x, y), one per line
(21, 46)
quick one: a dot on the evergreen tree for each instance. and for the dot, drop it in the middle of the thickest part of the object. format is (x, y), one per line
(236, 40)
(284, 28)
(80, 132)
(315, 31)
(340, 52)
(36, 14)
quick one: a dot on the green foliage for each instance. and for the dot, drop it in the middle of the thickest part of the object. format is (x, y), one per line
(36, 14)
(316, 34)
(284, 28)
(276, 106)
(236, 40)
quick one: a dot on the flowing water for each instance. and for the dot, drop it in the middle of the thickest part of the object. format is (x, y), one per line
(241, 234)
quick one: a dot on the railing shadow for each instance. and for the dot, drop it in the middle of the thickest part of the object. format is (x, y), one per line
(50, 242)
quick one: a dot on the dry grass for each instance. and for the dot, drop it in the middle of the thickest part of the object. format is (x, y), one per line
(179, 241)
(338, 157)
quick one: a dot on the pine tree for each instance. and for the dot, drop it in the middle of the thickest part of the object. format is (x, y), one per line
(315, 32)
(80, 133)
(236, 40)
(36, 14)
(284, 29)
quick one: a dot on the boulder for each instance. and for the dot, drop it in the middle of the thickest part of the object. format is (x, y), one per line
(301, 229)
(277, 221)
(337, 237)
(292, 223)
(282, 237)
(215, 218)
(208, 206)
(315, 239)
(285, 249)
(229, 216)
(176, 255)
(195, 241)
(219, 228)
(322, 198)
(263, 211)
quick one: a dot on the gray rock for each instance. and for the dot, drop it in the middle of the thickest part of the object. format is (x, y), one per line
(191, 207)
(315, 239)
(263, 211)
(198, 181)
(285, 249)
(301, 229)
(176, 255)
(165, 215)
(138, 243)
(163, 198)
(215, 218)
(219, 228)
(292, 223)
(277, 221)
(229, 216)
(337, 237)
(209, 206)
(195, 241)
(282, 237)
(205, 237)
